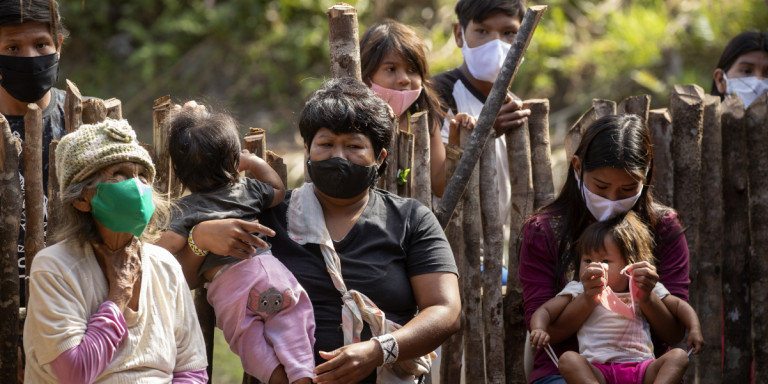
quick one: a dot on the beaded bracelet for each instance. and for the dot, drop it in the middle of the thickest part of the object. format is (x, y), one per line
(193, 246)
(389, 347)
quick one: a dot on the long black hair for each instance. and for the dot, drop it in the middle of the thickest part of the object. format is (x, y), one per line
(743, 43)
(617, 141)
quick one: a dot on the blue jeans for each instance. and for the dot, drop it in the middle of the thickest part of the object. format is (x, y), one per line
(553, 379)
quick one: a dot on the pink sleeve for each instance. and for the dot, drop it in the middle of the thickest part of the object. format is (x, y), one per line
(536, 269)
(197, 376)
(82, 364)
(673, 256)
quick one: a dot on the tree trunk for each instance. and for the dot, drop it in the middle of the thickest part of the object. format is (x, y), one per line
(343, 40)
(10, 211)
(421, 174)
(541, 155)
(660, 124)
(34, 195)
(736, 308)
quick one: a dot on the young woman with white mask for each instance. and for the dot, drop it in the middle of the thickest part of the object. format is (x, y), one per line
(743, 68)
(609, 174)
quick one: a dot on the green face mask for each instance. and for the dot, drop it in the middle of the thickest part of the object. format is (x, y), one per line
(123, 207)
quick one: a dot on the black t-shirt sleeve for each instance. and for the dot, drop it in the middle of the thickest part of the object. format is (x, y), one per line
(428, 249)
(444, 83)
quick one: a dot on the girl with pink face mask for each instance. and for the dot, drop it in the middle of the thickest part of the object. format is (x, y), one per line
(608, 176)
(394, 64)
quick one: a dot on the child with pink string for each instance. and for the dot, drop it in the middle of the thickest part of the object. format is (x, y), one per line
(615, 337)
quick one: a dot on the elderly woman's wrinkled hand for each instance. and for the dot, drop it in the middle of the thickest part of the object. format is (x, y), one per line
(231, 237)
(123, 269)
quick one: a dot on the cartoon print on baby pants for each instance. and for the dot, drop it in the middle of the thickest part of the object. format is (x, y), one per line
(270, 301)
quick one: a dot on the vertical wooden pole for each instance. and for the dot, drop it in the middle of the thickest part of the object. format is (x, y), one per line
(255, 142)
(94, 111)
(277, 163)
(493, 246)
(541, 155)
(660, 125)
(452, 350)
(573, 136)
(390, 173)
(34, 196)
(636, 105)
(519, 155)
(344, 44)
(114, 108)
(53, 207)
(10, 212)
(73, 108)
(404, 163)
(472, 284)
(165, 181)
(207, 319)
(757, 142)
(707, 363)
(736, 309)
(604, 107)
(421, 173)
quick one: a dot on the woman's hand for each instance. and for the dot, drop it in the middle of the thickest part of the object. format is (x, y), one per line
(593, 280)
(350, 363)
(232, 237)
(645, 278)
(122, 268)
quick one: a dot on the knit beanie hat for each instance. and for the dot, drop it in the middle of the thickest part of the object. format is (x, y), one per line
(95, 146)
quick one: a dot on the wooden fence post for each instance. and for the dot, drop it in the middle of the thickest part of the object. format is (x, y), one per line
(660, 124)
(452, 350)
(757, 142)
(736, 309)
(472, 281)
(404, 164)
(10, 212)
(114, 108)
(207, 320)
(344, 44)
(34, 196)
(493, 254)
(390, 173)
(165, 181)
(73, 108)
(573, 136)
(541, 152)
(603, 107)
(255, 142)
(422, 179)
(53, 208)
(519, 155)
(636, 105)
(707, 367)
(94, 111)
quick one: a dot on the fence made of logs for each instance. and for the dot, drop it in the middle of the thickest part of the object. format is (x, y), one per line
(710, 165)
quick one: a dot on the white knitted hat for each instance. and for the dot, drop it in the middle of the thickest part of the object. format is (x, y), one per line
(95, 146)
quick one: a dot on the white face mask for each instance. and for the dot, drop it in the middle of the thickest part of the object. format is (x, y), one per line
(605, 209)
(747, 88)
(484, 62)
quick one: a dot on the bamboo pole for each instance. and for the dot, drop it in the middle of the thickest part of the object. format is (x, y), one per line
(114, 108)
(636, 105)
(421, 174)
(404, 164)
(660, 125)
(757, 142)
(573, 136)
(34, 195)
(493, 246)
(541, 155)
(604, 107)
(737, 338)
(73, 108)
(707, 363)
(53, 208)
(452, 350)
(483, 131)
(94, 111)
(472, 283)
(10, 212)
(343, 39)
(519, 155)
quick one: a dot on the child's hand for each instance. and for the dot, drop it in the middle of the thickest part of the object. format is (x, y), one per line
(645, 277)
(695, 340)
(593, 280)
(539, 338)
(462, 120)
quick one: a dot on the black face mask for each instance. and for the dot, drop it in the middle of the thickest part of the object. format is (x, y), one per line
(27, 79)
(340, 178)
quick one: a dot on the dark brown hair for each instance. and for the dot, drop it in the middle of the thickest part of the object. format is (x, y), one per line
(479, 10)
(743, 43)
(627, 231)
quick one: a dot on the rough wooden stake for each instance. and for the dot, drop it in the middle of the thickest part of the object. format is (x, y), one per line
(277, 163)
(10, 212)
(255, 142)
(757, 142)
(114, 108)
(484, 128)
(604, 107)
(736, 309)
(421, 174)
(405, 162)
(660, 125)
(390, 173)
(636, 105)
(493, 246)
(54, 197)
(165, 181)
(34, 195)
(343, 39)
(73, 108)
(207, 320)
(573, 137)
(541, 155)
(94, 111)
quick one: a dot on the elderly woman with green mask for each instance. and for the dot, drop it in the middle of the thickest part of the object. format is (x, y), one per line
(106, 305)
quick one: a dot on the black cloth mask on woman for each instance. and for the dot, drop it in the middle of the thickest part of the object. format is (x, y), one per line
(27, 79)
(340, 178)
